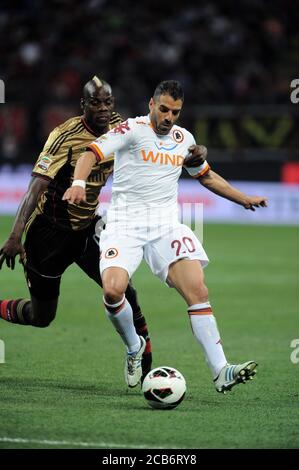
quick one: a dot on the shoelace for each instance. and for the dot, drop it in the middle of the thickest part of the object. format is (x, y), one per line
(131, 360)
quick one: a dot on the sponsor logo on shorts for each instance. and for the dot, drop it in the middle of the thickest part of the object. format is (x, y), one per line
(178, 136)
(44, 163)
(111, 253)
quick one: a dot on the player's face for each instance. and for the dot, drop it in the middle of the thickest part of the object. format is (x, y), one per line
(164, 112)
(98, 107)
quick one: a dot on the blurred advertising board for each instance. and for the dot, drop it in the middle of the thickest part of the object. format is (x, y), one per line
(283, 205)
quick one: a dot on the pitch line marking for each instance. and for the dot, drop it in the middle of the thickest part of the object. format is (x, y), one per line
(104, 445)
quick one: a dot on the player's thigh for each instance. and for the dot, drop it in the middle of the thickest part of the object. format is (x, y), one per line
(176, 243)
(49, 251)
(89, 259)
(41, 287)
(120, 251)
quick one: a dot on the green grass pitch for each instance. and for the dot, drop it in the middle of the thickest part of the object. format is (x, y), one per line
(63, 386)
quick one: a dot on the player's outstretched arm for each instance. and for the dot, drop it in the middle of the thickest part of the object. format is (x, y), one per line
(220, 186)
(13, 245)
(76, 193)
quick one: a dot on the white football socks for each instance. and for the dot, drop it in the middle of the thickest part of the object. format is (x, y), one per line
(204, 327)
(121, 315)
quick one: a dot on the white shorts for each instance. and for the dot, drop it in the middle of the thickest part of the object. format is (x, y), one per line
(126, 250)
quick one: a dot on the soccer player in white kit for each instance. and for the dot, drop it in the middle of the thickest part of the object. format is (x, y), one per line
(142, 222)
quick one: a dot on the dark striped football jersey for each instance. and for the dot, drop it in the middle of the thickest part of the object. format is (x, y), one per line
(57, 163)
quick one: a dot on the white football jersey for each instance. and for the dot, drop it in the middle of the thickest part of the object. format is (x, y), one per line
(147, 166)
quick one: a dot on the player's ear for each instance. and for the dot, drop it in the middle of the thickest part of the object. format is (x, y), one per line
(82, 103)
(151, 104)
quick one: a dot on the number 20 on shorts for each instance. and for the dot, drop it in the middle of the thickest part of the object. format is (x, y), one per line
(182, 246)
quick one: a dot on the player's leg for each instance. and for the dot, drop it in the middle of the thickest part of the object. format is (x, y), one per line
(16, 311)
(141, 328)
(119, 311)
(120, 257)
(88, 261)
(188, 278)
(34, 312)
(177, 258)
(44, 293)
(41, 308)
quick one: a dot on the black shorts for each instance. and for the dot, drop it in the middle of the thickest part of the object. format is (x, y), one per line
(50, 251)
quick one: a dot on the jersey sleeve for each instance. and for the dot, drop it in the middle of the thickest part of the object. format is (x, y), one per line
(53, 156)
(118, 138)
(200, 170)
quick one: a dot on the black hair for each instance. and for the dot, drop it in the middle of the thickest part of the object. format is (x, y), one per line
(172, 88)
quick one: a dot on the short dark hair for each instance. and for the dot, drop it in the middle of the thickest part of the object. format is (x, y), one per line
(93, 83)
(170, 87)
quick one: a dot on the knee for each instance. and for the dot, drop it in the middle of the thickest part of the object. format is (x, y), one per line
(200, 294)
(42, 322)
(115, 282)
(43, 312)
(203, 292)
(113, 293)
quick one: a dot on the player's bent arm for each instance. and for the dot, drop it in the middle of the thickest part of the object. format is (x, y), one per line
(84, 165)
(13, 245)
(76, 193)
(221, 187)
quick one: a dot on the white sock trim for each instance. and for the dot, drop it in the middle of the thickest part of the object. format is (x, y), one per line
(199, 306)
(114, 305)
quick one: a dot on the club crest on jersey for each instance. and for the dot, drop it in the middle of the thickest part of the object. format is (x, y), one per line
(111, 253)
(178, 136)
(44, 163)
(121, 128)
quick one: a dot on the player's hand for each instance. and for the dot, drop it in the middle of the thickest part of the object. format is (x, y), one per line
(8, 252)
(74, 195)
(196, 156)
(255, 201)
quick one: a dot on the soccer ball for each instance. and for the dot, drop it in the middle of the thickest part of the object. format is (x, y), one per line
(164, 388)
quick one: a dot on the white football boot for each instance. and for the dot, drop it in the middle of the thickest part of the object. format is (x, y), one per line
(133, 369)
(233, 374)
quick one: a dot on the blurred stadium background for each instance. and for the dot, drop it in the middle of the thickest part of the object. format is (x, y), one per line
(236, 61)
